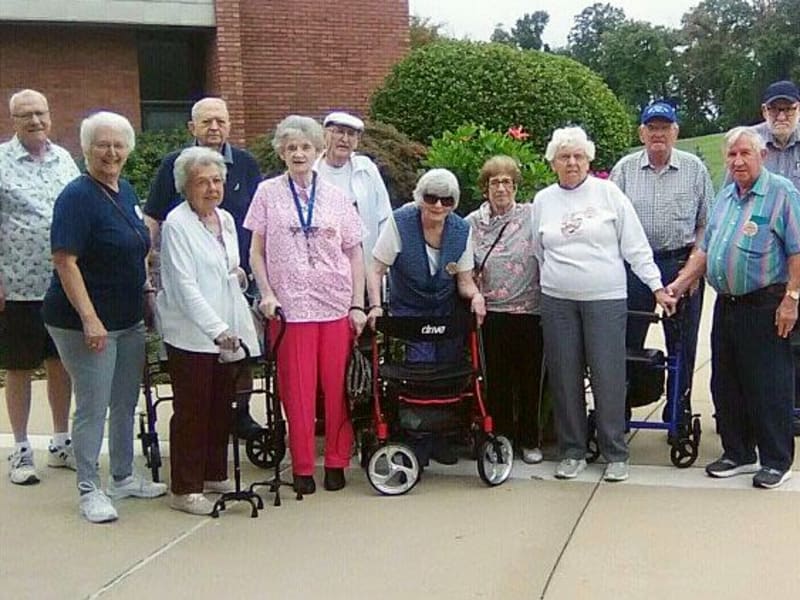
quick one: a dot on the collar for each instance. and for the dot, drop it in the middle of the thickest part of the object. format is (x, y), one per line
(644, 161)
(19, 152)
(759, 187)
(227, 152)
(769, 139)
(485, 214)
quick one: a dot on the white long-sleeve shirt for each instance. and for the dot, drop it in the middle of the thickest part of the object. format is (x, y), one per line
(583, 236)
(201, 297)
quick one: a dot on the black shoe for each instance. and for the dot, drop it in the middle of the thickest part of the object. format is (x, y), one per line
(444, 453)
(796, 426)
(246, 427)
(304, 484)
(771, 478)
(334, 479)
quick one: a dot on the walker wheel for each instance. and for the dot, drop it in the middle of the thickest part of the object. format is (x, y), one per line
(265, 450)
(143, 438)
(393, 469)
(684, 451)
(495, 460)
(592, 446)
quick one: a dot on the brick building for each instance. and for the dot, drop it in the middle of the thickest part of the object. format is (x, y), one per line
(151, 59)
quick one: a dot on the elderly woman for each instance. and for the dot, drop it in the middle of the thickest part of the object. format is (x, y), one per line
(429, 250)
(203, 315)
(306, 257)
(584, 230)
(509, 278)
(94, 311)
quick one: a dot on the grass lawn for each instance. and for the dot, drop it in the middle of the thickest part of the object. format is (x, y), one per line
(709, 148)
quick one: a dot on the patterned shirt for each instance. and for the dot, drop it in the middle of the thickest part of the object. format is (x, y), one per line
(28, 191)
(510, 279)
(748, 239)
(311, 275)
(783, 161)
(671, 204)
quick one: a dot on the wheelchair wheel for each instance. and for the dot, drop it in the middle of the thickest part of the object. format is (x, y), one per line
(592, 446)
(495, 460)
(154, 459)
(266, 449)
(393, 469)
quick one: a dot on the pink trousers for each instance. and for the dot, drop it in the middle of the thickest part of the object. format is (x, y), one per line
(312, 354)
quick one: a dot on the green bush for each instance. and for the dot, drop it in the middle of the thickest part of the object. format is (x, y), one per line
(443, 85)
(399, 159)
(151, 147)
(464, 151)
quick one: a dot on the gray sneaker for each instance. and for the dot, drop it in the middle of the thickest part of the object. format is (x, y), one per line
(20, 468)
(771, 478)
(137, 486)
(569, 468)
(94, 505)
(61, 457)
(725, 467)
(616, 471)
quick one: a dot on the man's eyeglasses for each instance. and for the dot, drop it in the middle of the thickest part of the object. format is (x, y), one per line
(789, 111)
(498, 182)
(447, 201)
(29, 116)
(344, 131)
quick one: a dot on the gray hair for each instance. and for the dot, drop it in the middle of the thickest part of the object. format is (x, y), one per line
(196, 156)
(199, 104)
(751, 135)
(296, 125)
(569, 137)
(21, 94)
(106, 119)
(437, 182)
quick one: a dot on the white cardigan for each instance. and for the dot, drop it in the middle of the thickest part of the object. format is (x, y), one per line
(201, 297)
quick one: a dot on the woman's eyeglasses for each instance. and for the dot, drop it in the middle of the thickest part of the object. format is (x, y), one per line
(447, 201)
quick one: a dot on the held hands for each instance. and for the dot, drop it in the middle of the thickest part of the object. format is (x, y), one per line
(786, 316)
(268, 306)
(95, 334)
(478, 306)
(666, 301)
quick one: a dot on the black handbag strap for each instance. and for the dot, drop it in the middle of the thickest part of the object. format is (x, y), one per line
(489, 251)
(125, 216)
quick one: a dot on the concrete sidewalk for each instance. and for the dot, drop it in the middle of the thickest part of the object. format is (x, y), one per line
(666, 533)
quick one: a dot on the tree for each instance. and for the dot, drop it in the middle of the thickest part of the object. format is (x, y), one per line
(526, 34)
(421, 31)
(585, 37)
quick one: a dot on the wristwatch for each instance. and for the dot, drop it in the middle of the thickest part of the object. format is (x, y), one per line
(793, 294)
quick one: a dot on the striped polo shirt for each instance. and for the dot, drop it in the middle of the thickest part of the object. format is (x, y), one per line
(748, 240)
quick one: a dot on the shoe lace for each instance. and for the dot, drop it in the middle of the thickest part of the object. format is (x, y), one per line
(19, 459)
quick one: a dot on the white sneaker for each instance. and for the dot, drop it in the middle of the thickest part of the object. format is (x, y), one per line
(531, 456)
(218, 487)
(61, 457)
(95, 506)
(194, 504)
(570, 468)
(616, 471)
(137, 486)
(20, 468)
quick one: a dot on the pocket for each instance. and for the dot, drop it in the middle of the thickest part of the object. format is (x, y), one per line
(683, 208)
(759, 243)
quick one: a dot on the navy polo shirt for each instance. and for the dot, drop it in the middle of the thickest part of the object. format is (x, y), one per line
(240, 186)
(110, 253)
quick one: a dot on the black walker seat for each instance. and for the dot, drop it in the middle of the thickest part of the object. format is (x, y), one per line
(411, 398)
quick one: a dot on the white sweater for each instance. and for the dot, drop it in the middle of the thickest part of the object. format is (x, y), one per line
(583, 236)
(201, 296)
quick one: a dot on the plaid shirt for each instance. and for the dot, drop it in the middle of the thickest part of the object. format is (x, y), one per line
(671, 204)
(748, 239)
(783, 161)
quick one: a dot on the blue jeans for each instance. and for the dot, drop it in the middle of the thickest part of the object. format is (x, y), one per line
(640, 297)
(105, 381)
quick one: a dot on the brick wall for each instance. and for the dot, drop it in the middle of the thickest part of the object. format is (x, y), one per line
(308, 57)
(80, 70)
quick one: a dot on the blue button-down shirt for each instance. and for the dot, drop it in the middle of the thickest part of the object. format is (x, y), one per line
(748, 240)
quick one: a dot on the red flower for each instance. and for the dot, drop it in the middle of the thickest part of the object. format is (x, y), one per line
(518, 133)
(600, 174)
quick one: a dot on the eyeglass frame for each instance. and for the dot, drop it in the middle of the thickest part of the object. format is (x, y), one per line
(789, 111)
(506, 182)
(445, 201)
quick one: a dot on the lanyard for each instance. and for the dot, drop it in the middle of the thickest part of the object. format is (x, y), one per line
(305, 223)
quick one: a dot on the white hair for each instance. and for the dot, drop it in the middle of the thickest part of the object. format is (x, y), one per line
(196, 156)
(297, 125)
(751, 135)
(21, 94)
(437, 182)
(569, 137)
(200, 103)
(108, 119)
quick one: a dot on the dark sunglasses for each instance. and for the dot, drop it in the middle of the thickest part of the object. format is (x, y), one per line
(447, 201)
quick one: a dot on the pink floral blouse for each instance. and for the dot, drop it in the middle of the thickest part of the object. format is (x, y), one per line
(310, 275)
(510, 280)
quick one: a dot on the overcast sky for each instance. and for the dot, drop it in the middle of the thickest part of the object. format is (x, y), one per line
(476, 19)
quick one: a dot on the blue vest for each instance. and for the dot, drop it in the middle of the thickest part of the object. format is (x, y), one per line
(414, 291)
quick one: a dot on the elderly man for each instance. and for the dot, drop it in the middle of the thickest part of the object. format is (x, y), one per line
(670, 190)
(355, 174)
(780, 131)
(33, 171)
(211, 127)
(751, 251)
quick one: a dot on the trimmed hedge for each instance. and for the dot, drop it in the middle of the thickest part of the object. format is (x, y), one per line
(444, 85)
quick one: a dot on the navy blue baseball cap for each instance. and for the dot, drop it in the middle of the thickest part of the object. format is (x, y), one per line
(781, 90)
(659, 110)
